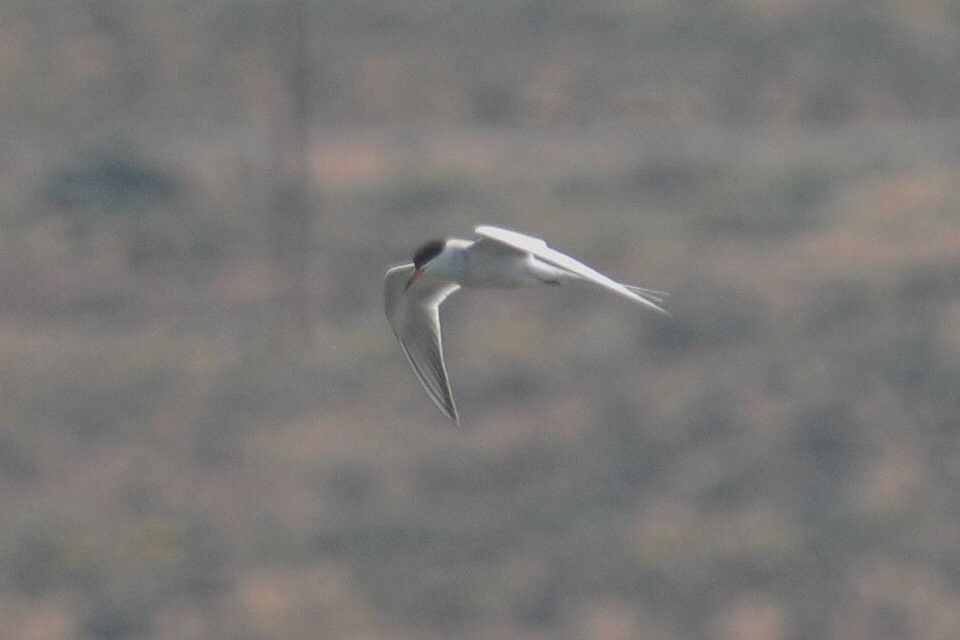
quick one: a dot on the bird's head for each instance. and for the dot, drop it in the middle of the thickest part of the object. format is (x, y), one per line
(422, 256)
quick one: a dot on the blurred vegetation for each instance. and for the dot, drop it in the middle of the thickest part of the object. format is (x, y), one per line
(777, 461)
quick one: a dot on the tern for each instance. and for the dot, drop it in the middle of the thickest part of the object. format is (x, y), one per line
(499, 258)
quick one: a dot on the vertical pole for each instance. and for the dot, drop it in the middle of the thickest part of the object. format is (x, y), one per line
(294, 214)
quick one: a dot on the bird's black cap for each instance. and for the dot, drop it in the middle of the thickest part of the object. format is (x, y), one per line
(427, 252)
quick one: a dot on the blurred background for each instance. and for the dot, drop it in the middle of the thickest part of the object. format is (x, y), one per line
(208, 431)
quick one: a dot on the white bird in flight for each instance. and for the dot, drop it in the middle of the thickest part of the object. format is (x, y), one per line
(499, 258)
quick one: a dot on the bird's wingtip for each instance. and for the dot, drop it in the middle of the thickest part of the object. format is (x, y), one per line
(452, 413)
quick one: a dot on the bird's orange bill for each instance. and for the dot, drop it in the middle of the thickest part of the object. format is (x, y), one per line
(413, 276)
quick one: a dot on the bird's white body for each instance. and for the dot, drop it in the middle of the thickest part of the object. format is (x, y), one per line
(477, 266)
(500, 258)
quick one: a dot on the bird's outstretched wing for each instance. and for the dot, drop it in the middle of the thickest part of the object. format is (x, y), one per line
(539, 249)
(414, 316)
